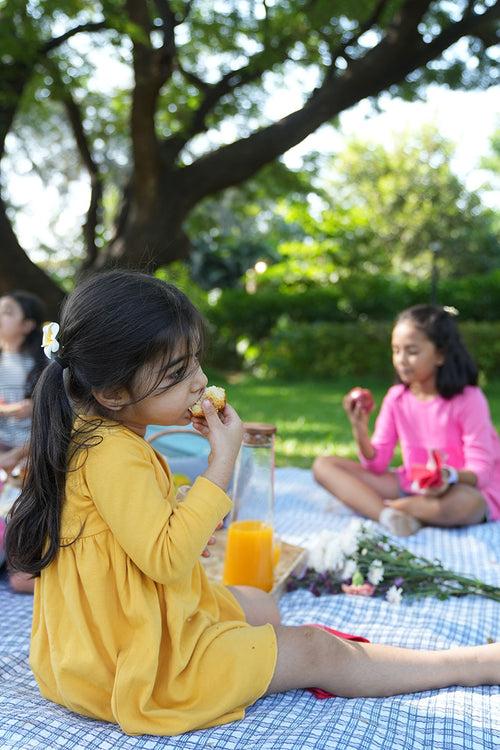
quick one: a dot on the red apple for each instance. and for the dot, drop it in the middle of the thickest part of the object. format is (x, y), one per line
(363, 396)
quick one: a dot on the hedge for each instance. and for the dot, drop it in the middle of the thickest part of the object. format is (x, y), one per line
(237, 313)
(323, 350)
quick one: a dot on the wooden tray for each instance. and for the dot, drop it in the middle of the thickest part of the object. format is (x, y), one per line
(292, 560)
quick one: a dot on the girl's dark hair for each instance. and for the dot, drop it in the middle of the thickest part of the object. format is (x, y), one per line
(33, 309)
(111, 326)
(458, 369)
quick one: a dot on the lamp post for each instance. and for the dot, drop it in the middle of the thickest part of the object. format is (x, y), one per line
(435, 248)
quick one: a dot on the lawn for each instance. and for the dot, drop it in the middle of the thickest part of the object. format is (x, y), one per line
(309, 414)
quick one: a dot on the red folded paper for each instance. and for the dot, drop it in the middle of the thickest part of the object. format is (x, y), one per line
(426, 476)
(318, 692)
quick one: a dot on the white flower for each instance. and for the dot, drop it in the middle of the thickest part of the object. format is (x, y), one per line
(349, 538)
(49, 341)
(331, 550)
(368, 529)
(375, 572)
(394, 595)
(325, 552)
(349, 569)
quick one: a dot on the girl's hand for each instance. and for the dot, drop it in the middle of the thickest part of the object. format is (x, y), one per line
(358, 417)
(224, 431)
(10, 459)
(20, 409)
(437, 491)
(212, 540)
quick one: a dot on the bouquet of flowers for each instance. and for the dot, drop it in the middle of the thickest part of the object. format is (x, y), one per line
(364, 562)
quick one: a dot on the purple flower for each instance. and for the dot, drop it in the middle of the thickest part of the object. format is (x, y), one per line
(399, 581)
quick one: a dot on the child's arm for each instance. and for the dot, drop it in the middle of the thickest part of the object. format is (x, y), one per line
(359, 418)
(165, 542)
(477, 430)
(224, 431)
(375, 454)
(20, 409)
(477, 439)
(11, 458)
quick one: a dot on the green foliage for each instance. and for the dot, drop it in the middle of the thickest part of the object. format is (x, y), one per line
(178, 273)
(297, 332)
(321, 350)
(388, 210)
(231, 231)
(263, 45)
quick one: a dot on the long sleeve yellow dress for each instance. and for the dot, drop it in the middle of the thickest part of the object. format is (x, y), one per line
(126, 626)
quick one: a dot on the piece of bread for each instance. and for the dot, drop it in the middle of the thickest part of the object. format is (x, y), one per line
(214, 394)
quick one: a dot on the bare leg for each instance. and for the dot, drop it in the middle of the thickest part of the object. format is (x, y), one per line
(356, 487)
(258, 606)
(460, 506)
(309, 657)
(365, 492)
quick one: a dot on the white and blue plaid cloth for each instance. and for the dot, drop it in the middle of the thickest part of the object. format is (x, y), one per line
(462, 718)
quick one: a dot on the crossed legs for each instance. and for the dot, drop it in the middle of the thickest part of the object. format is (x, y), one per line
(372, 494)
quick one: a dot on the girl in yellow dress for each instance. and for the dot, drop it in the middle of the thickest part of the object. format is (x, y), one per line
(126, 626)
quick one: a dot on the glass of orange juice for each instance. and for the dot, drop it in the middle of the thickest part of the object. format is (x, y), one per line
(252, 551)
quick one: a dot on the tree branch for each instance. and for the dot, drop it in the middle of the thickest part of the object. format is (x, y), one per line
(362, 29)
(228, 84)
(467, 26)
(192, 77)
(187, 11)
(399, 53)
(169, 22)
(58, 40)
(96, 186)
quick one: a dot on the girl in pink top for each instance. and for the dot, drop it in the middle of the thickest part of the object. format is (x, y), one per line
(436, 406)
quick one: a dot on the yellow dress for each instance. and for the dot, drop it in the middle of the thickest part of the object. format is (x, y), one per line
(126, 626)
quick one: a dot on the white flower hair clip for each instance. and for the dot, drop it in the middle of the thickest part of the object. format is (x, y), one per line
(50, 343)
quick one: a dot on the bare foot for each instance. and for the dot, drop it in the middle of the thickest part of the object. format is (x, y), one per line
(398, 522)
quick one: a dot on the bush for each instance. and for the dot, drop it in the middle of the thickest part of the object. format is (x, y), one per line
(322, 350)
(325, 350)
(236, 313)
(483, 341)
(341, 329)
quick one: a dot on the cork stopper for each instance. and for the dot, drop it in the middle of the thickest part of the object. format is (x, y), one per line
(258, 433)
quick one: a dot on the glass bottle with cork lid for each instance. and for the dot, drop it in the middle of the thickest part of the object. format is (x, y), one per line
(252, 550)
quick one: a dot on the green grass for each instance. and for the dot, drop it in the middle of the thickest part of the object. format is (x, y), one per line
(309, 414)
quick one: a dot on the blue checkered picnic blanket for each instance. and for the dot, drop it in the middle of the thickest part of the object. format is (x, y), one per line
(462, 718)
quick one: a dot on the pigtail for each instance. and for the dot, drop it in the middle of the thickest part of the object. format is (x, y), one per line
(33, 529)
(33, 345)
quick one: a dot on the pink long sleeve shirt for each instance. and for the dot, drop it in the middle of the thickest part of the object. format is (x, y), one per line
(460, 428)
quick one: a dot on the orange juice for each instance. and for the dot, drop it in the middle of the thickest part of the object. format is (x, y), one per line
(250, 555)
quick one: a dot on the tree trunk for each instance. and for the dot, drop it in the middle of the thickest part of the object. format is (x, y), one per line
(18, 272)
(149, 235)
